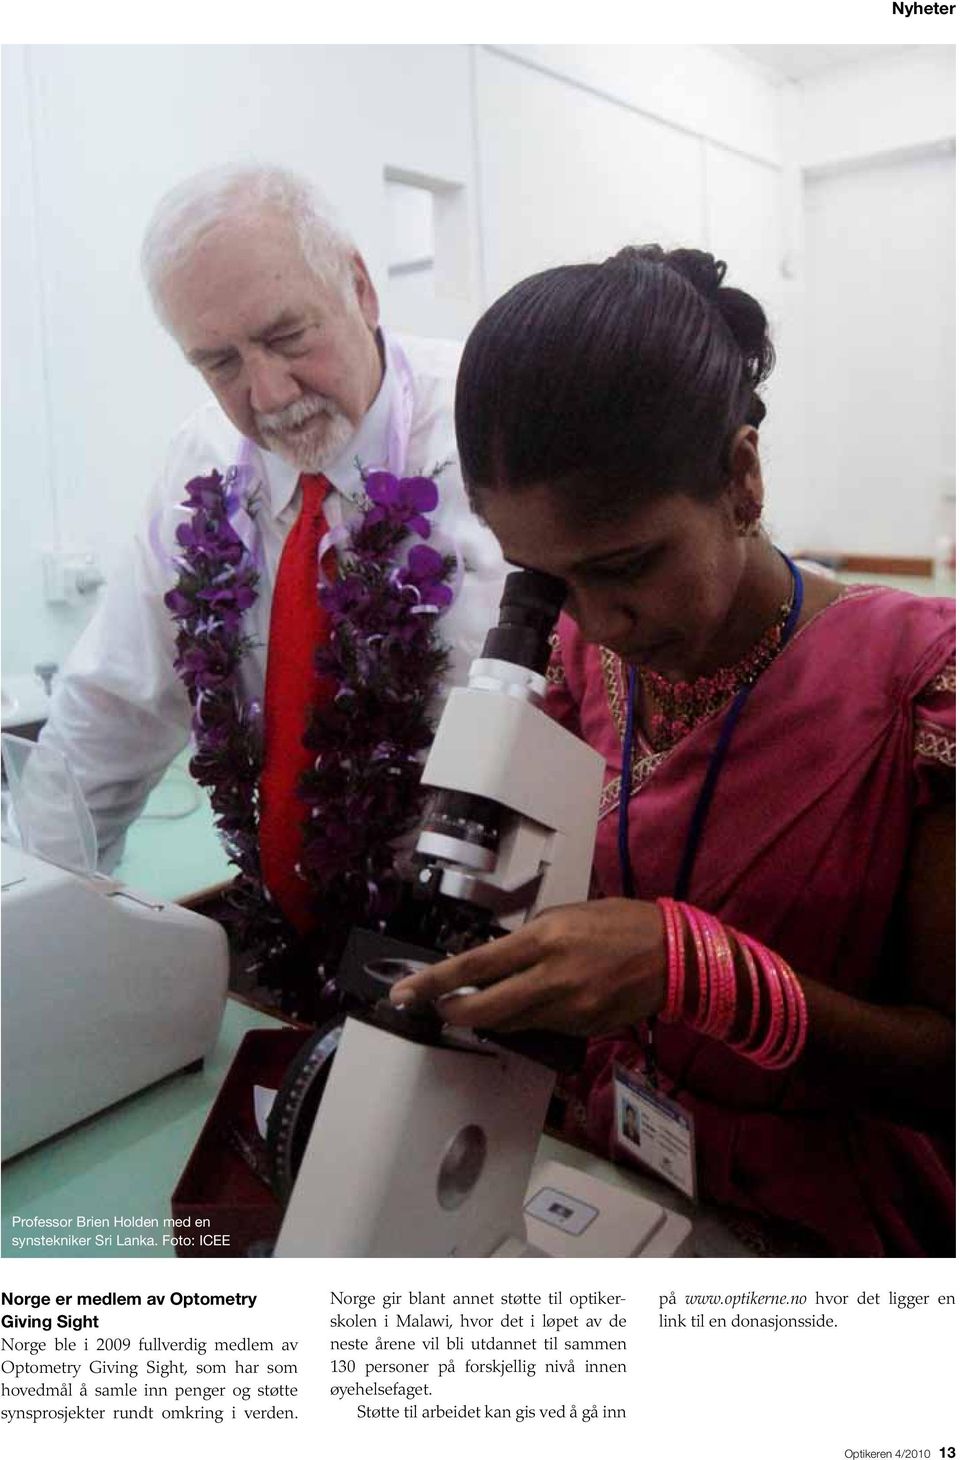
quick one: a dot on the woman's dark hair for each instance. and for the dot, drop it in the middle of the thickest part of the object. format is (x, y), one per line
(615, 382)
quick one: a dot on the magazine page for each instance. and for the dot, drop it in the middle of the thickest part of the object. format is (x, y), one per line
(478, 732)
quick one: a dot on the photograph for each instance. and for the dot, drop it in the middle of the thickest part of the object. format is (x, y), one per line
(479, 662)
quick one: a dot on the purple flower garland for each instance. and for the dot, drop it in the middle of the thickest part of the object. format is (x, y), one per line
(384, 655)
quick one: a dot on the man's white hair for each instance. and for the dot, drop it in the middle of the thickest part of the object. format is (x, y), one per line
(194, 206)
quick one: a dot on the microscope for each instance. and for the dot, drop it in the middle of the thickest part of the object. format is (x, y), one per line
(395, 1135)
(512, 816)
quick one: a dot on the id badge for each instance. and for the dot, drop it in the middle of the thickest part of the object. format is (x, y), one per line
(654, 1130)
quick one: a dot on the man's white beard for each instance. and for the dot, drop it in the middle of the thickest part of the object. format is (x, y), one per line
(323, 434)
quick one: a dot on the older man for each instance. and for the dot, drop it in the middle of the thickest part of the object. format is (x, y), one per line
(273, 304)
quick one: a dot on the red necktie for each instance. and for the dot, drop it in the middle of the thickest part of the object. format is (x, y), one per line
(298, 625)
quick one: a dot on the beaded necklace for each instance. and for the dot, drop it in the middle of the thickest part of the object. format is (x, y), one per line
(677, 708)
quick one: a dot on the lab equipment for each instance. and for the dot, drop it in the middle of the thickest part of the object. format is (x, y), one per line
(104, 991)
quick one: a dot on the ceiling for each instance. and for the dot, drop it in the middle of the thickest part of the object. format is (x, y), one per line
(796, 63)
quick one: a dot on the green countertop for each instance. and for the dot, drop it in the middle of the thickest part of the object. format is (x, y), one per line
(172, 851)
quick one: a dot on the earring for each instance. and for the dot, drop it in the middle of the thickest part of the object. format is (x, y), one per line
(748, 519)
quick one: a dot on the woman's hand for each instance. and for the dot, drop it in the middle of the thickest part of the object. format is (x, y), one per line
(588, 968)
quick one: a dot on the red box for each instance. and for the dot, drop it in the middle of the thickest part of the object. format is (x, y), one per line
(218, 1185)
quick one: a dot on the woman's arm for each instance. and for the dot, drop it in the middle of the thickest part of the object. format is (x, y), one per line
(898, 1058)
(599, 966)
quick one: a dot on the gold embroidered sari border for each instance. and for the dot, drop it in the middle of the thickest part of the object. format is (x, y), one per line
(946, 681)
(643, 767)
(641, 771)
(613, 678)
(554, 673)
(935, 744)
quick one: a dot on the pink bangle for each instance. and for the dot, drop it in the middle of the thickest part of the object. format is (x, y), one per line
(719, 1003)
(749, 964)
(672, 1010)
(796, 1034)
(711, 988)
(803, 1022)
(787, 1034)
(703, 963)
(784, 1050)
(776, 1033)
(775, 991)
(766, 993)
(726, 1002)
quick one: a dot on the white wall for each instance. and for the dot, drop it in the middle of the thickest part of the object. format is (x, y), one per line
(584, 149)
(567, 176)
(880, 281)
(878, 106)
(28, 508)
(693, 88)
(875, 148)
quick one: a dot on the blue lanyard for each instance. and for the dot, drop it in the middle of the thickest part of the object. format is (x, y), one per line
(699, 817)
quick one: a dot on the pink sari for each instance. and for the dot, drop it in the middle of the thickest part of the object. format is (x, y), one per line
(848, 732)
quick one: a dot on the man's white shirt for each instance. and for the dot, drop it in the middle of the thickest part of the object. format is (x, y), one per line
(120, 712)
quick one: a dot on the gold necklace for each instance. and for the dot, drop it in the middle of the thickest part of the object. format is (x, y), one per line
(678, 707)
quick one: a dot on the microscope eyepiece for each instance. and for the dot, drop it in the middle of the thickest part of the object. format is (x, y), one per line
(529, 608)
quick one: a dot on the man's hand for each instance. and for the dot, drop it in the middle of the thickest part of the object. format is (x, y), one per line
(588, 968)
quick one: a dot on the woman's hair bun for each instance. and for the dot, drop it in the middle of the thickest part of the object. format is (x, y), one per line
(742, 314)
(700, 269)
(613, 382)
(704, 272)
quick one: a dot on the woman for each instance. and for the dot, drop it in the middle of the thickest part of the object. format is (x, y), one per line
(789, 746)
